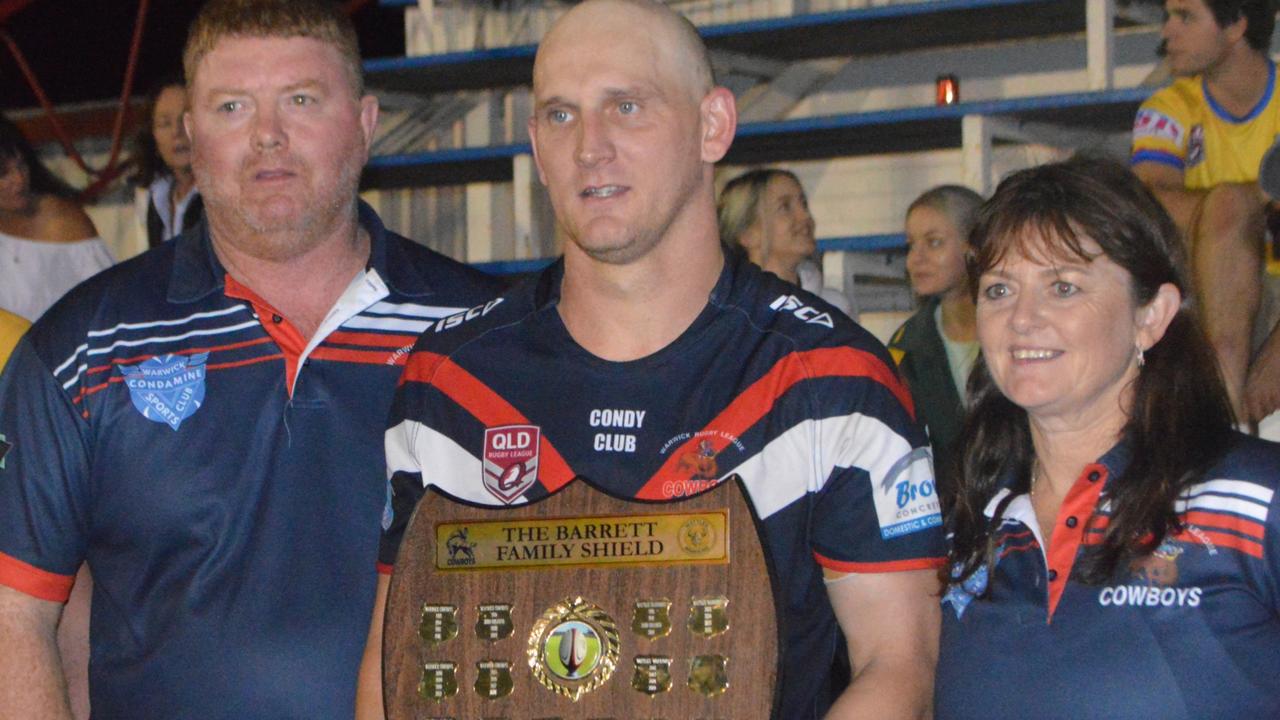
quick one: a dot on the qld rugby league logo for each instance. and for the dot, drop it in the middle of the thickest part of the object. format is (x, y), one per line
(168, 388)
(510, 460)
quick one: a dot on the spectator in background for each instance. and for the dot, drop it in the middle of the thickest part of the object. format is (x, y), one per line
(168, 202)
(47, 242)
(765, 213)
(936, 347)
(1197, 145)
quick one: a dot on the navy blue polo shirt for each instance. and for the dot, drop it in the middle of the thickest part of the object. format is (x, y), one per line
(222, 475)
(1190, 631)
(769, 384)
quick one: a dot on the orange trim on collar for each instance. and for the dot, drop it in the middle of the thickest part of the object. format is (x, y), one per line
(285, 335)
(1074, 518)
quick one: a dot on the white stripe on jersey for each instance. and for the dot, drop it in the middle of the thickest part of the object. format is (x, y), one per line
(452, 468)
(387, 323)
(412, 310)
(156, 339)
(138, 326)
(1232, 487)
(788, 467)
(1234, 496)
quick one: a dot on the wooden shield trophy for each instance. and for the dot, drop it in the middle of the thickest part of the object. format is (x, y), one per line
(582, 605)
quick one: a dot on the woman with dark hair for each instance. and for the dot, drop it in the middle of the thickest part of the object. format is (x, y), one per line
(936, 347)
(47, 242)
(1115, 551)
(167, 200)
(765, 213)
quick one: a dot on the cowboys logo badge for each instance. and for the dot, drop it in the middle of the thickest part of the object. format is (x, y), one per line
(573, 648)
(439, 681)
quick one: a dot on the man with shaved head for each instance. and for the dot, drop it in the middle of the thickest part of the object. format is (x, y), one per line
(647, 345)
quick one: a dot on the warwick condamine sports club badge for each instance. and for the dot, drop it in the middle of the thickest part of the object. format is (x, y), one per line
(168, 388)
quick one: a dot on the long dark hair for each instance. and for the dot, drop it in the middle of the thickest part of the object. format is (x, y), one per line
(146, 156)
(1180, 417)
(14, 145)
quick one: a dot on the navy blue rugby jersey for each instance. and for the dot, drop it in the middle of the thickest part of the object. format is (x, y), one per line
(1191, 631)
(768, 383)
(222, 476)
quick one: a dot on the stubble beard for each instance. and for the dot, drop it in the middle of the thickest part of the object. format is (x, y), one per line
(637, 241)
(252, 229)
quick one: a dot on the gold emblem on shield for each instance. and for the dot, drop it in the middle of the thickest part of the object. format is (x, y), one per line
(493, 679)
(652, 618)
(439, 681)
(493, 622)
(573, 648)
(652, 675)
(709, 616)
(707, 675)
(696, 536)
(439, 623)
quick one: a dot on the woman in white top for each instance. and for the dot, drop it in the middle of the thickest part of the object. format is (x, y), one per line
(47, 242)
(765, 213)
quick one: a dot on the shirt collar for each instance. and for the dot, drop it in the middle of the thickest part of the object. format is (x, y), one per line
(1113, 462)
(197, 272)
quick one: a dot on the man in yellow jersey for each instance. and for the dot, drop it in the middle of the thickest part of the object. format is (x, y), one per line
(1197, 144)
(11, 328)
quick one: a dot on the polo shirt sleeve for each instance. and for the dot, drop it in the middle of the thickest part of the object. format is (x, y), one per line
(44, 479)
(877, 508)
(1160, 131)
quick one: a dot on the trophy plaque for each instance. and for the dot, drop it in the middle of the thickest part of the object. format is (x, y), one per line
(582, 605)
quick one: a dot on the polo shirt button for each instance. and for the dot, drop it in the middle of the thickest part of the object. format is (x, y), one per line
(1053, 575)
(1095, 476)
(1072, 522)
(277, 319)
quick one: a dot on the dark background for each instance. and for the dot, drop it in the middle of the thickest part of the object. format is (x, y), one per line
(78, 49)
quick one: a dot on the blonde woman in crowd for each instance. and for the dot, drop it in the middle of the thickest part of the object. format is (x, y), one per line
(936, 347)
(765, 213)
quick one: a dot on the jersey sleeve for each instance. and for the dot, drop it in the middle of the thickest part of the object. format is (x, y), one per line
(44, 480)
(1160, 131)
(405, 486)
(877, 509)
(422, 449)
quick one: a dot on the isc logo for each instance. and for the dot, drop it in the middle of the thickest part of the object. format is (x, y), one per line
(792, 304)
(511, 439)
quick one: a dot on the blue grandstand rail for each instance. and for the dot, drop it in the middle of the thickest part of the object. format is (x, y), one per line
(864, 243)
(513, 267)
(853, 243)
(957, 111)
(864, 31)
(879, 132)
